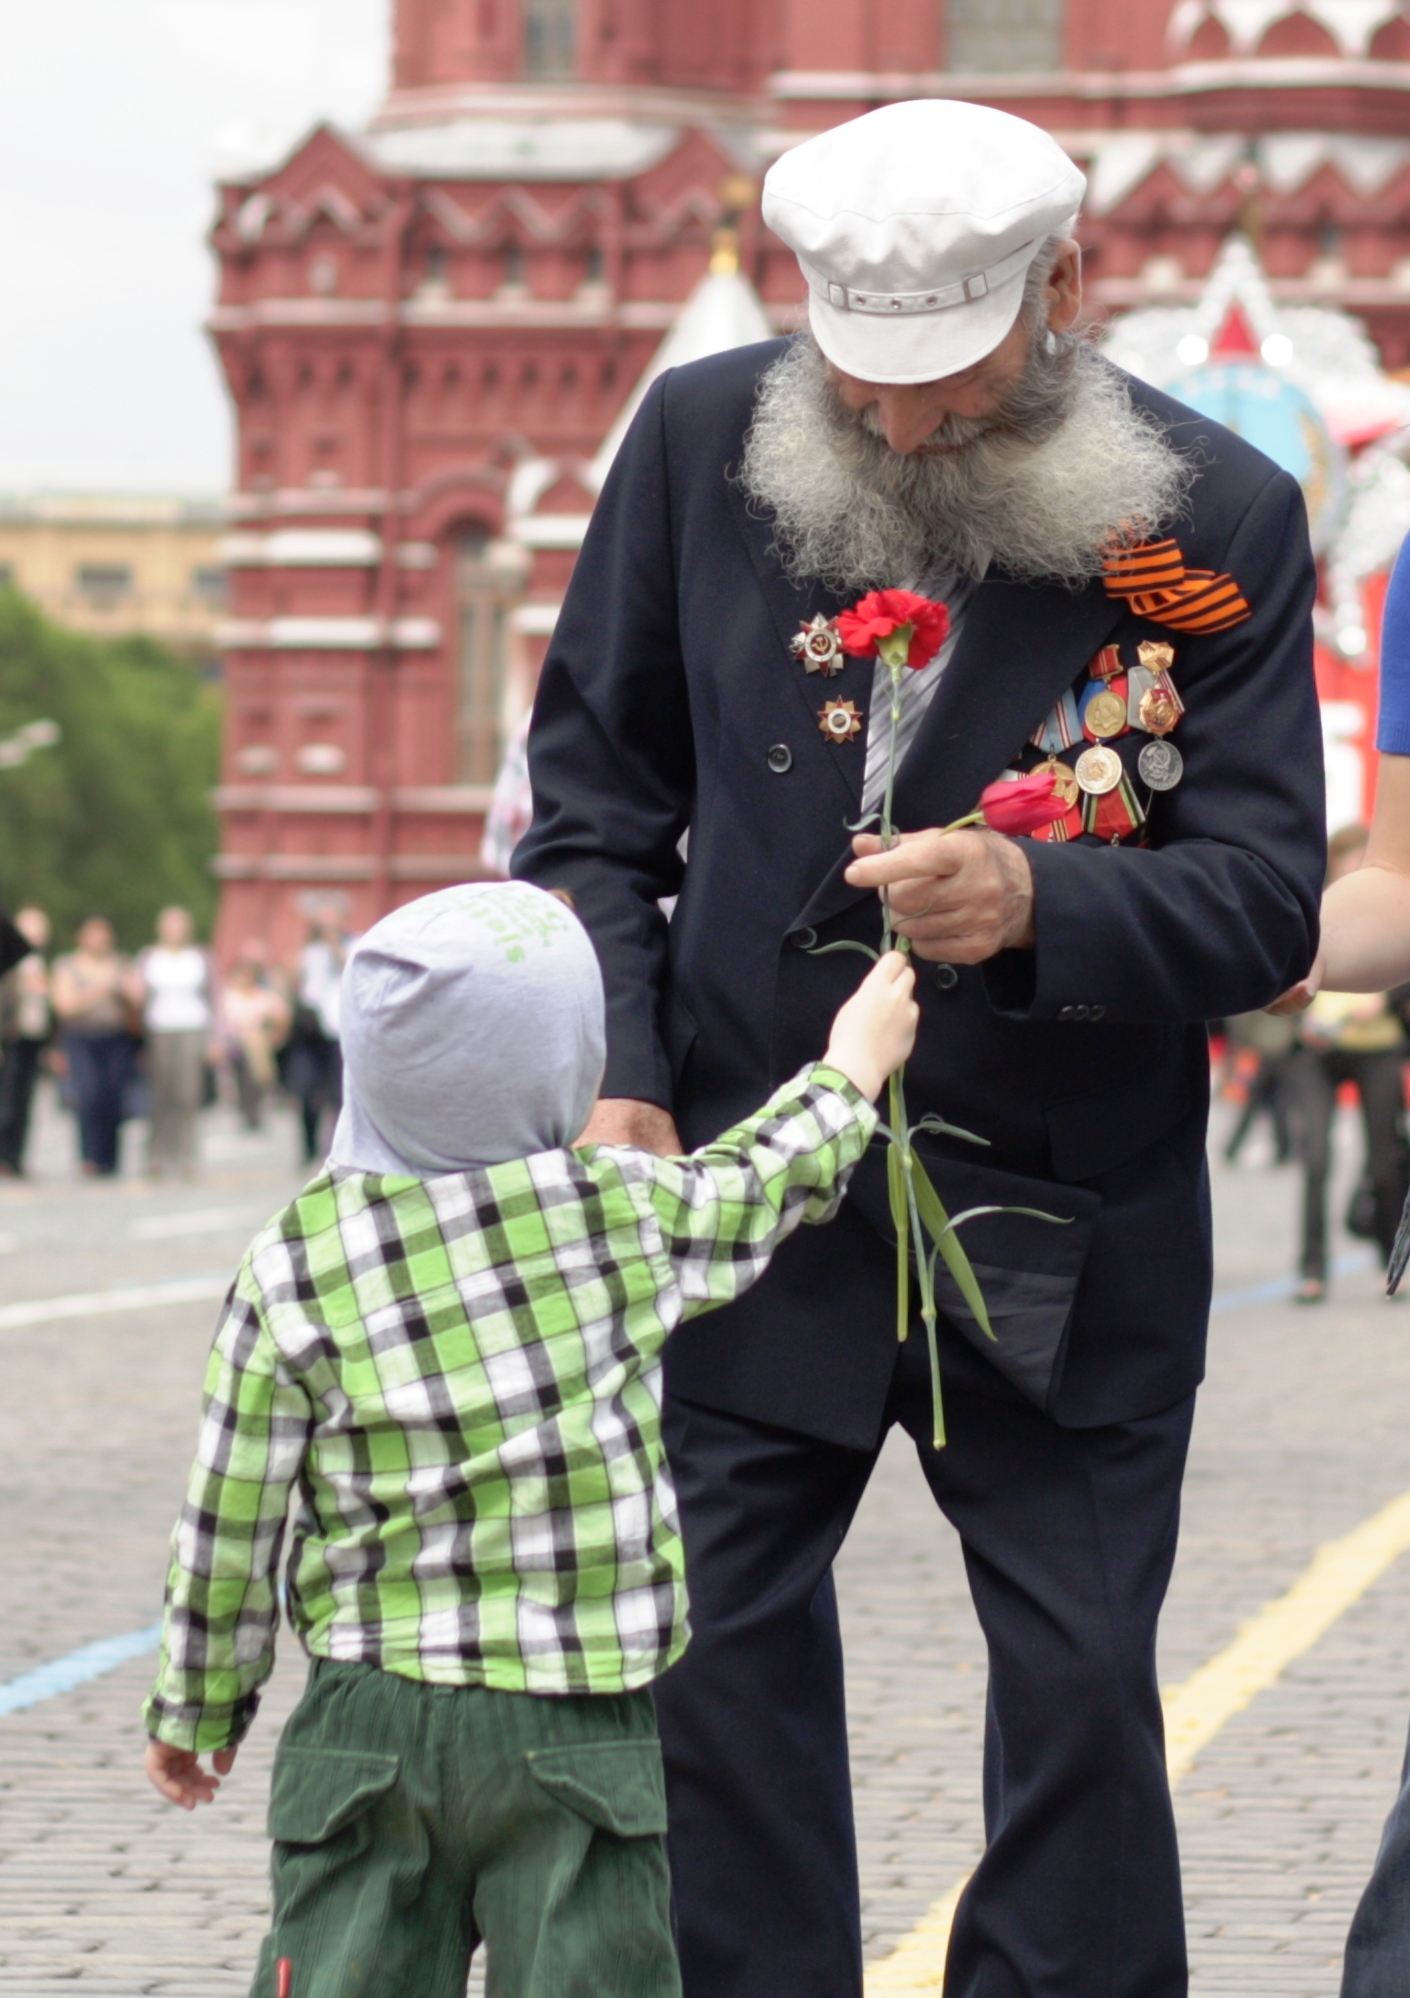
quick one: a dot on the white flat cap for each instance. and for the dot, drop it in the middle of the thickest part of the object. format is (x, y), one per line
(914, 227)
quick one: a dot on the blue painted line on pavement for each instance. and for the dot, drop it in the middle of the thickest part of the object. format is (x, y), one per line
(62, 1675)
(1276, 1287)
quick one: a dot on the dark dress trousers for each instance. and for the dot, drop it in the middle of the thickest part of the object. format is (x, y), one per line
(670, 700)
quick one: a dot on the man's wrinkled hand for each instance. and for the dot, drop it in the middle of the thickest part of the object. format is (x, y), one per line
(622, 1120)
(961, 897)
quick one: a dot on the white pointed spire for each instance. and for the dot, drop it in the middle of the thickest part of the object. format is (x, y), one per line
(723, 311)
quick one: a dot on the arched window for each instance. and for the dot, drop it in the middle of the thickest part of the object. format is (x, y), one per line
(550, 38)
(1012, 35)
(484, 593)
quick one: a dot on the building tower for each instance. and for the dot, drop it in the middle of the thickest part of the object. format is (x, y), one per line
(430, 327)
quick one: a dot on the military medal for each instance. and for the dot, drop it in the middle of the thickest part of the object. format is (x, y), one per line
(1160, 765)
(817, 644)
(1065, 785)
(840, 721)
(1107, 663)
(1160, 710)
(1155, 655)
(1098, 770)
(1116, 815)
(1104, 714)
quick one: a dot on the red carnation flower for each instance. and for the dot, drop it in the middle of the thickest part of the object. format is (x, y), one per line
(882, 612)
(1021, 805)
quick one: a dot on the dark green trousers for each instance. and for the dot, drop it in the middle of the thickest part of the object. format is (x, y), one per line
(411, 1821)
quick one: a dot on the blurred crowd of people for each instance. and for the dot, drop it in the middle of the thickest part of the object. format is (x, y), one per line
(1294, 1070)
(161, 1035)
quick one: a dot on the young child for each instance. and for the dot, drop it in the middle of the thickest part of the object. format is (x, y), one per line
(450, 1342)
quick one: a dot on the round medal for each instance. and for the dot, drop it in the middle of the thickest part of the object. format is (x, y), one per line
(1098, 770)
(1159, 713)
(1105, 714)
(1065, 785)
(1160, 765)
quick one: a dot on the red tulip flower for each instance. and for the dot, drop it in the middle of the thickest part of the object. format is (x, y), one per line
(886, 614)
(1020, 805)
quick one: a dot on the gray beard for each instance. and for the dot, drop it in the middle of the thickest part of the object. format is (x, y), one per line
(1066, 465)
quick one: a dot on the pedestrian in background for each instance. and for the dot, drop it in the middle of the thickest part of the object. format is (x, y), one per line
(1354, 1037)
(26, 1021)
(95, 996)
(1260, 1051)
(178, 1017)
(255, 1022)
(313, 1064)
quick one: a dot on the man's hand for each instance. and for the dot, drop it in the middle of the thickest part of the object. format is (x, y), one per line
(178, 1774)
(876, 1030)
(622, 1120)
(960, 897)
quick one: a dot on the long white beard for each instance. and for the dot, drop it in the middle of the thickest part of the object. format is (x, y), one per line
(1067, 464)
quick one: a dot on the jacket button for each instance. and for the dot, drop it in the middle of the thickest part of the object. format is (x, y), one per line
(780, 758)
(946, 977)
(1079, 1012)
(1066, 1012)
(1097, 1013)
(803, 939)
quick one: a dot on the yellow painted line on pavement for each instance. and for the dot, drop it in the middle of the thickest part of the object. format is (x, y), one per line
(1338, 1575)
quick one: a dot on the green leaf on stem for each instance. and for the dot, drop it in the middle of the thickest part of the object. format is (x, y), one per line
(937, 1221)
(1033, 1213)
(862, 825)
(843, 943)
(941, 1129)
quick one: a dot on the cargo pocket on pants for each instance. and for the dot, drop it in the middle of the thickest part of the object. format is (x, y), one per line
(618, 1786)
(317, 1793)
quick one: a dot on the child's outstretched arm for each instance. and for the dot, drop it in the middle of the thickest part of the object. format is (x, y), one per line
(724, 1210)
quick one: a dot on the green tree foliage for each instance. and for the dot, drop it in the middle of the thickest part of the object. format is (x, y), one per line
(117, 818)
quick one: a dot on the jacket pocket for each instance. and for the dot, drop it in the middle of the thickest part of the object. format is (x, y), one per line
(319, 1792)
(1028, 1270)
(1092, 1133)
(619, 1786)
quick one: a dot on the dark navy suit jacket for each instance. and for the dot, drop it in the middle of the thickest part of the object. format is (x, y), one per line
(667, 698)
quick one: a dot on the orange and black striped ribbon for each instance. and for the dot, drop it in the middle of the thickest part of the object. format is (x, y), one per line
(1156, 584)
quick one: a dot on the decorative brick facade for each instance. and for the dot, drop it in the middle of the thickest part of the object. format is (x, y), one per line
(429, 327)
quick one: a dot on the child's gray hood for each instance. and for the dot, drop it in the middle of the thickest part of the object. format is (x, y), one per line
(472, 1032)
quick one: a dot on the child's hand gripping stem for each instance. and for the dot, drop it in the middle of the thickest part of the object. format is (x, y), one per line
(874, 1033)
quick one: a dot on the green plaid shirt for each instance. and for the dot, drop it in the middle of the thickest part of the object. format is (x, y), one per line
(463, 1377)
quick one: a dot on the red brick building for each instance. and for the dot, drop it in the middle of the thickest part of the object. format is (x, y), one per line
(429, 327)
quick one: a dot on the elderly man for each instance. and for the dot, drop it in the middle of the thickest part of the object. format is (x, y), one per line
(1130, 591)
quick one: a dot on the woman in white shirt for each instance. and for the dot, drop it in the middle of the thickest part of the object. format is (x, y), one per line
(177, 1014)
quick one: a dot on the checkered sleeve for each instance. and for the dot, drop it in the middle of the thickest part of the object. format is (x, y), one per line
(725, 1209)
(222, 1588)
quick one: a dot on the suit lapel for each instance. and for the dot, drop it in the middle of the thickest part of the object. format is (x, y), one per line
(1022, 646)
(791, 605)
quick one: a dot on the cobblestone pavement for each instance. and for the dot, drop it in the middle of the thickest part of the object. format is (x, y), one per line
(1301, 1435)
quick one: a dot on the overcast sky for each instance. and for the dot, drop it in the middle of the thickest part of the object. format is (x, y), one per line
(115, 117)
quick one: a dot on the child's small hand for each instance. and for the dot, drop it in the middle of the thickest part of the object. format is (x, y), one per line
(876, 1030)
(178, 1774)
